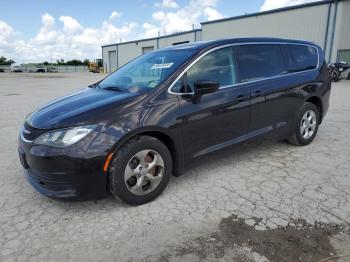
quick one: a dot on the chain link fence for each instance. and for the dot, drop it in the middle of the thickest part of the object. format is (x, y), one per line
(53, 68)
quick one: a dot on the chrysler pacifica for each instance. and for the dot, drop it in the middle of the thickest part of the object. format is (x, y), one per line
(128, 133)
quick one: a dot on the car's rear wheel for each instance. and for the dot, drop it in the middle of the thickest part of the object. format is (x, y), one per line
(140, 170)
(306, 125)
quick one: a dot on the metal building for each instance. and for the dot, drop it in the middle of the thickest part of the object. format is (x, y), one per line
(326, 23)
(116, 55)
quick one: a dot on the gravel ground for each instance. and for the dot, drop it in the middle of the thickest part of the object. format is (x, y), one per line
(260, 202)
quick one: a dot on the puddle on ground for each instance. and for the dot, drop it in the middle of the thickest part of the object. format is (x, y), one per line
(303, 243)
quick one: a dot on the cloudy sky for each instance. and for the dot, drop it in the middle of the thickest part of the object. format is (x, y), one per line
(41, 30)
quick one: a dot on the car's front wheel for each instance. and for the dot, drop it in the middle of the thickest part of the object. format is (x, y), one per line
(140, 170)
(306, 125)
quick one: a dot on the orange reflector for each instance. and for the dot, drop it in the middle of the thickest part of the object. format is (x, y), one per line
(109, 158)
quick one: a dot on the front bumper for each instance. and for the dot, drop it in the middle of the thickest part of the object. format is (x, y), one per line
(75, 172)
(50, 186)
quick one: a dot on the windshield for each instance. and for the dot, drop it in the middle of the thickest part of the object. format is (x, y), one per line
(147, 71)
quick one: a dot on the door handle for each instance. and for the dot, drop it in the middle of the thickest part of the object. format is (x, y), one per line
(257, 93)
(241, 98)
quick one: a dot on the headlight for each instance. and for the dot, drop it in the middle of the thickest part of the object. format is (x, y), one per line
(64, 137)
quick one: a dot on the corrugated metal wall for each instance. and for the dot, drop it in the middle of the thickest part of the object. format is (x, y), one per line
(314, 22)
(342, 29)
(307, 23)
(129, 50)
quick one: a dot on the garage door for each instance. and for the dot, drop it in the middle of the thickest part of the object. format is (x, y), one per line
(147, 49)
(112, 61)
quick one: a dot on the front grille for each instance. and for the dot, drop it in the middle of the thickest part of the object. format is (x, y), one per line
(53, 179)
(31, 133)
(55, 182)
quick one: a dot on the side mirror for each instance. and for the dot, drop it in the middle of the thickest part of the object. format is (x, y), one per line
(206, 87)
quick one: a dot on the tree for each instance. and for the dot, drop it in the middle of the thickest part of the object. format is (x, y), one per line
(60, 62)
(86, 62)
(46, 63)
(74, 62)
(4, 61)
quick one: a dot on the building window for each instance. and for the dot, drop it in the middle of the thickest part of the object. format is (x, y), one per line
(180, 43)
(344, 55)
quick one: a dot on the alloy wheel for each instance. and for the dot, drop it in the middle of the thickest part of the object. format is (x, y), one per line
(308, 124)
(144, 172)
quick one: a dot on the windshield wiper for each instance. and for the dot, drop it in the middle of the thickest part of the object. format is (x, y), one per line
(114, 88)
(96, 85)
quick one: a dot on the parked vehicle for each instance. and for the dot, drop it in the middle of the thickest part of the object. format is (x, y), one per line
(344, 69)
(96, 66)
(334, 72)
(2, 70)
(16, 69)
(128, 133)
(52, 69)
(40, 69)
(339, 70)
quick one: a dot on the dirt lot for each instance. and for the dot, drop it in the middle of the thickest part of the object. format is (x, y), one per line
(261, 202)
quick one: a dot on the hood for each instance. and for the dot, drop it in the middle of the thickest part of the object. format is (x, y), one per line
(82, 107)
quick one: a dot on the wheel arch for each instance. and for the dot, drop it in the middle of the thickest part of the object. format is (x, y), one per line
(168, 140)
(317, 102)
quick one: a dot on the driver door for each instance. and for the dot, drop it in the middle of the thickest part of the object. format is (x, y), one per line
(215, 120)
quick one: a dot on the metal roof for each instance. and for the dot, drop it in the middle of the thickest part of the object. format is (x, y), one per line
(154, 38)
(323, 2)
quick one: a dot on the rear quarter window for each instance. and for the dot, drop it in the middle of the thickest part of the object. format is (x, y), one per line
(300, 57)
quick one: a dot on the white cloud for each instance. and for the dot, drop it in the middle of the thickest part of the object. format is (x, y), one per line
(67, 40)
(70, 25)
(48, 34)
(182, 19)
(115, 15)
(212, 14)
(167, 4)
(159, 15)
(64, 37)
(149, 30)
(273, 4)
(6, 32)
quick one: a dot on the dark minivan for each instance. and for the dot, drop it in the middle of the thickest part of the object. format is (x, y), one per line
(128, 133)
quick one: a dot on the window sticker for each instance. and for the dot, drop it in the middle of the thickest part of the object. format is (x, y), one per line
(158, 66)
(153, 84)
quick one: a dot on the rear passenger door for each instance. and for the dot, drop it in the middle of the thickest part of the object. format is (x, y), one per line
(274, 97)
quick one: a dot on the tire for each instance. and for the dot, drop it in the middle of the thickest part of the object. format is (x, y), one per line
(302, 139)
(129, 169)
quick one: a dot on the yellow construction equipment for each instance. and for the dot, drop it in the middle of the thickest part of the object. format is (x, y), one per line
(96, 66)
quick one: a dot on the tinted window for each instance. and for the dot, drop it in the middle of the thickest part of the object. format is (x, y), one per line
(147, 71)
(259, 61)
(300, 57)
(215, 66)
